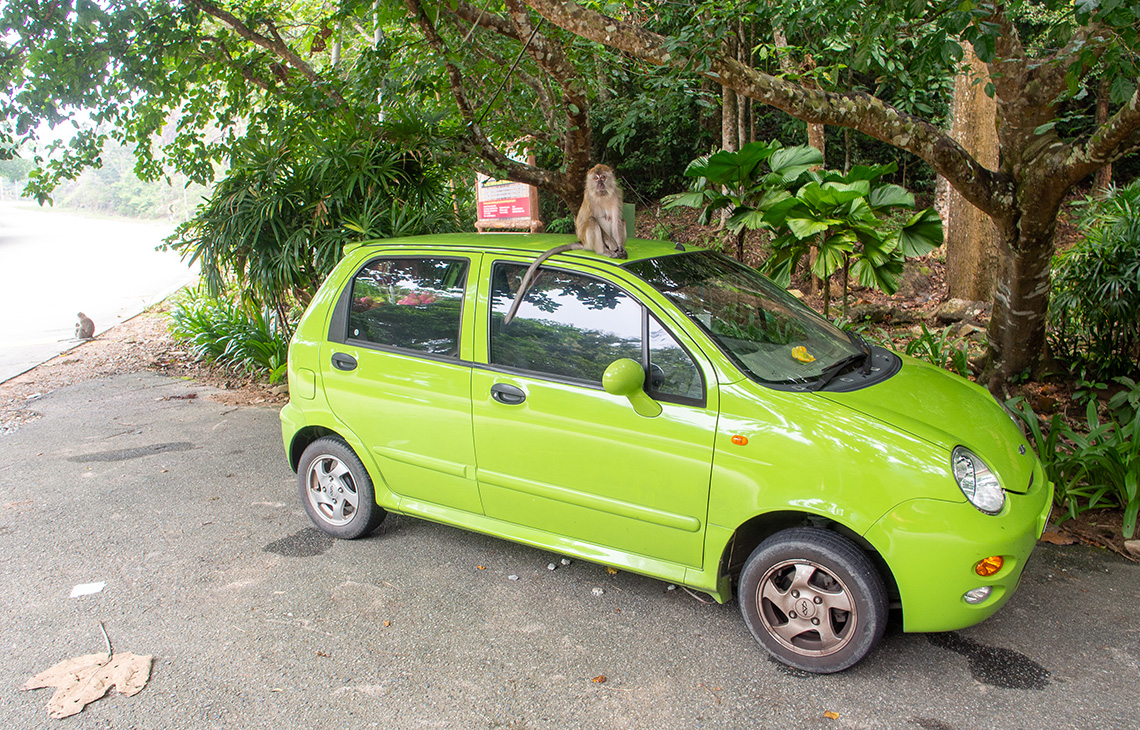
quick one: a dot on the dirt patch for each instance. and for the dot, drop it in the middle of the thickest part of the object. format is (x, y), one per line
(141, 344)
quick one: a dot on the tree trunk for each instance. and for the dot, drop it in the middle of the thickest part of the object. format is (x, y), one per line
(1104, 174)
(729, 112)
(1017, 325)
(971, 238)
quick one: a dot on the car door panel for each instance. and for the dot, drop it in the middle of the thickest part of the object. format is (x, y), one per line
(397, 381)
(572, 459)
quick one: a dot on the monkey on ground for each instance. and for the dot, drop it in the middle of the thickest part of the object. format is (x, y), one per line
(599, 225)
(84, 328)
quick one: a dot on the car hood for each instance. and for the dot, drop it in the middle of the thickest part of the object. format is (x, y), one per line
(947, 411)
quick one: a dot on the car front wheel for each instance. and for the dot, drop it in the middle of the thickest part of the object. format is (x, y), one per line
(813, 599)
(337, 491)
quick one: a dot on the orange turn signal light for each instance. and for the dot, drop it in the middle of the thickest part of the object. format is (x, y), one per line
(740, 440)
(989, 566)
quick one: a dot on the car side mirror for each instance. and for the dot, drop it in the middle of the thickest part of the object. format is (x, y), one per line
(626, 377)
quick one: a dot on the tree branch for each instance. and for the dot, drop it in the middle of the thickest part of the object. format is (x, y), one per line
(225, 57)
(275, 44)
(990, 191)
(478, 140)
(1119, 136)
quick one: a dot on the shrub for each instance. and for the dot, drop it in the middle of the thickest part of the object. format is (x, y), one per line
(1097, 468)
(1095, 308)
(225, 331)
(938, 350)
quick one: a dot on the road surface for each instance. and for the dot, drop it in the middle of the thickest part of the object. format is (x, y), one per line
(55, 264)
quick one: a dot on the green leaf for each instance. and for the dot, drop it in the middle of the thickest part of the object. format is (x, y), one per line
(732, 168)
(922, 233)
(789, 162)
(1122, 89)
(870, 172)
(884, 277)
(685, 200)
(776, 213)
(749, 218)
(890, 196)
(805, 227)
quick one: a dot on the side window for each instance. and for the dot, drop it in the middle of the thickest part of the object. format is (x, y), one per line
(411, 303)
(569, 325)
(672, 373)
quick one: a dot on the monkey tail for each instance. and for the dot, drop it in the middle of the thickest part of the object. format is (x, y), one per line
(526, 280)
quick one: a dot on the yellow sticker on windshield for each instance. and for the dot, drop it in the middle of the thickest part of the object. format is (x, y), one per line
(800, 353)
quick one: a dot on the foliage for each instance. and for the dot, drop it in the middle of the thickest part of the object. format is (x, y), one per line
(1095, 310)
(836, 215)
(649, 134)
(225, 331)
(278, 221)
(1094, 467)
(939, 351)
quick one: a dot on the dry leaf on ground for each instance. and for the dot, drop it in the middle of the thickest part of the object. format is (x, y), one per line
(84, 679)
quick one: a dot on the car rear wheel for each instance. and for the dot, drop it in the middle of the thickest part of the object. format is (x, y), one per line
(813, 599)
(337, 491)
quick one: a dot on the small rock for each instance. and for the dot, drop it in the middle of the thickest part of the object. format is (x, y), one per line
(552, 566)
(512, 577)
(1132, 546)
(565, 561)
(598, 591)
(901, 315)
(956, 310)
(868, 312)
(671, 587)
(967, 329)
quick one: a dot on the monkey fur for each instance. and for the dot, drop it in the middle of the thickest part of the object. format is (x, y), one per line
(599, 225)
(84, 328)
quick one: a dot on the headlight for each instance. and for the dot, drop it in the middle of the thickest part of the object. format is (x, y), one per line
(976, 481)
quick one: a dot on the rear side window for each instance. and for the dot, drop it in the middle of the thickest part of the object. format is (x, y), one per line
(410, 303)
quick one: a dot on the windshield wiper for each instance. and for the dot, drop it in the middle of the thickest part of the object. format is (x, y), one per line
(831, 371)
(866, 348)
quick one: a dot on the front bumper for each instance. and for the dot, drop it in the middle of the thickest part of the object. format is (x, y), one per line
(932, 546)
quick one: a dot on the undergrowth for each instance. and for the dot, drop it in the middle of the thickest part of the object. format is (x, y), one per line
(236, 335)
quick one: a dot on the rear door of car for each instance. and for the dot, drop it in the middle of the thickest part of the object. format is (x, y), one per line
(558, 453)
(397, 371)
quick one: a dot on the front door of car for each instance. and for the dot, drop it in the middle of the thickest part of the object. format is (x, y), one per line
(558, 453)
(393, 372)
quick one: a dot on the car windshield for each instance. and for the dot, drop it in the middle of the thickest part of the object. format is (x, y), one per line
(766, 331)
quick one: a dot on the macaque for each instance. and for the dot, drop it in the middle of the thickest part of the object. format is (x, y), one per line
(599, 225)
(84, 328)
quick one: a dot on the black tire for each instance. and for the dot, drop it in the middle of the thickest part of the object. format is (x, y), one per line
(336, 490)
(813, 599)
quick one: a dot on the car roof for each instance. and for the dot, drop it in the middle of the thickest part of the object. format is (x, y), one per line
(521, 243)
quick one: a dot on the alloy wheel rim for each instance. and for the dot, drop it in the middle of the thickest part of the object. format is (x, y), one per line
(806, 608)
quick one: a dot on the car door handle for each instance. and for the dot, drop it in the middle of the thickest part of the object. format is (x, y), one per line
(342, 361)
(508, 394)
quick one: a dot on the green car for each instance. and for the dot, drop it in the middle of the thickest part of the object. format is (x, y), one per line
(674, 414)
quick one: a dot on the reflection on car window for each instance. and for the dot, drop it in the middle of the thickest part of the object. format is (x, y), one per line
(671, 371)
(769, 333)
(413, 303)
(569, 325)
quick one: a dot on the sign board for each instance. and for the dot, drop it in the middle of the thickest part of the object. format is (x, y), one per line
(503, 204)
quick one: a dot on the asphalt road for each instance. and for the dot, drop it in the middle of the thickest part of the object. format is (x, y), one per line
(54, 264)
(188, 511)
